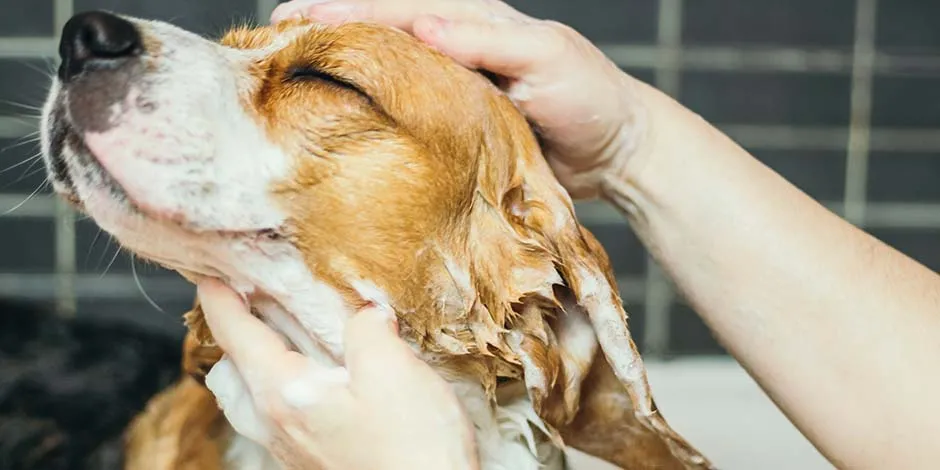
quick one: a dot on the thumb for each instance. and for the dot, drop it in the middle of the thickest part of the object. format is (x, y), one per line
(506, 46)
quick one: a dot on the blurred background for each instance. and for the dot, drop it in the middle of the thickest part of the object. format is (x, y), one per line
(842, 97)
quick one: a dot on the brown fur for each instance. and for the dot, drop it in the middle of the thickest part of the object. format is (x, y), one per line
(432, 187)
(182, 427)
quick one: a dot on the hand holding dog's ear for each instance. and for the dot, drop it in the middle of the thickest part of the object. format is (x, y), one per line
(593, 118)
(311, 416)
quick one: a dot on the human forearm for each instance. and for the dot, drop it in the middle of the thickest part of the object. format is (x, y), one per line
(840, 329)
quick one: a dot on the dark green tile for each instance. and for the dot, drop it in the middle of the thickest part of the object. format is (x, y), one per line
(21, 170)
(904, 177)
(906, 101)
(803, 23)
(768, 98)
(27, 18)
(908, 25)
(599, 20)
(27, 245)
(23, 86)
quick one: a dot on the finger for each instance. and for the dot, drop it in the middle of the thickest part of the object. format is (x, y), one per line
(505, 46)
(374, 351)
(399, 14)
(254, 348)
(235, 401)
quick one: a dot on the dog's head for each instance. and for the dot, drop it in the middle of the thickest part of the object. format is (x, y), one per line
(342, 166)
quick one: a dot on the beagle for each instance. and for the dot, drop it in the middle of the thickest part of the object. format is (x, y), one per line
(319, 169)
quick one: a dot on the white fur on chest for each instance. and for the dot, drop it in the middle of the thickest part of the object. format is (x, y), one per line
(312, 315)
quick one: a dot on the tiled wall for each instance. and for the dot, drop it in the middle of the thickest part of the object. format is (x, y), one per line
(840, 96)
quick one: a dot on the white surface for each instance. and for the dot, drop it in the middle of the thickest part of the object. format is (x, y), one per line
(716, 406)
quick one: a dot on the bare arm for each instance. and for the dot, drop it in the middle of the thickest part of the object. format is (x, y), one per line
(841, 330)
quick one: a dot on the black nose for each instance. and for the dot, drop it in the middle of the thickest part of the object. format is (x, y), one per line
(96, 38)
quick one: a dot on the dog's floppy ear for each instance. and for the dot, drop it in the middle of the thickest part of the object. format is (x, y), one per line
(566, 323)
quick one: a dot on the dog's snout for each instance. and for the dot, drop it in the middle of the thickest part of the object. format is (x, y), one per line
(96, 39)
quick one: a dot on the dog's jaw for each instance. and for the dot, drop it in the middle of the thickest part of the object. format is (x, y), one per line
(143, 149)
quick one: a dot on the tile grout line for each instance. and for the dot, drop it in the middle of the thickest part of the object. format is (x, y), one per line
(65, 238)
(62, 11)
(859, 138)
(658, 296)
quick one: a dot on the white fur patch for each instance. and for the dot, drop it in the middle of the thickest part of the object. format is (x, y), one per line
(611, 330)
(505, 434)
(577, 340)
(533, 375)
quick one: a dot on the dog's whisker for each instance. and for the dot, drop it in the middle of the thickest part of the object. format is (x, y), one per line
(14, 208)
(30, 171)
(91, 246)
(26, 139)
(27, 174)
(52, 65)
(14, 166)
(140, 286)
(23, 119)
(114, 258)
(36, 68)
(27, 106)
(104, 252)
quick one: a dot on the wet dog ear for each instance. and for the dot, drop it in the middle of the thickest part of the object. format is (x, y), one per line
(549, 283)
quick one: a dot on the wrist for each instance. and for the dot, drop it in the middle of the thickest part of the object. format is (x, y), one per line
(638, 145)
(666, 141)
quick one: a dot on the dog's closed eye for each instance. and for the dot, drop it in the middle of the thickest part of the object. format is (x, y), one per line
(307, 73)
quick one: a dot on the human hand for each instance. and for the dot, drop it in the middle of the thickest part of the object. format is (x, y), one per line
(386, 409)
(592, 117)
